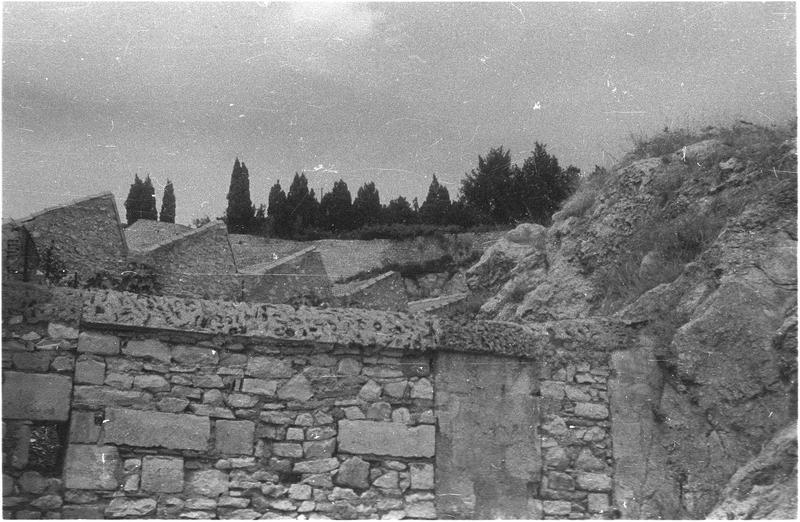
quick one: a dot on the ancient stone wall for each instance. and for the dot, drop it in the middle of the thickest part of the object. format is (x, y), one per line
(297, 278)
(86, 235)
(198, 264)
(384, 292)
(128, 405)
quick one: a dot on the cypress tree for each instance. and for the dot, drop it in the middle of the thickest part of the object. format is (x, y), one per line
(436, 206)
(167, 214)
(132, 205)
(240, 212)
(148, 201)
(367, 205)
(336, 208)
(277, 210)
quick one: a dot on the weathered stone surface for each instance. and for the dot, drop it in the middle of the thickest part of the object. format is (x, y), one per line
(268, 368)
(552, 389)
(235, 437)
(401, 415)
(556, 458)
(211, 411)
(588, 462)
(371, 391)
(148, 429)
(119, 380)
(82, 512)
(299, 492)
(154, 383)
(209, 483)
(233, 502)
(162, 474)
(379, 411)
(424, 510)
(353, 472)
(36, 396)
(124, 507)
(241, 514)
(98, 343)
(349, 367)
(594, 481)
(386, 438)
(320, 433)
(556, 507)
(172, 404)
(32, 361)
(353, 413)
(150, 348)
(295, 434)
(319, 449)
(241, 400)
(200, 503)
(82, 427)
(31, 482)
(63, 363)
(194, 355)
(61, 331)
(598, 503)
(388, 480)
(260, 387)
(421, 476)
(422, 389)
(577, 394)
(591, 410)
(286, 449)
(92, 467)
(298, 389)
(101, 396)
(316, 465)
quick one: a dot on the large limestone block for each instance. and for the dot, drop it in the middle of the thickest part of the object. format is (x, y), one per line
(98, 343)
(148, 348)
(235, 437)
(162, 474)
(386, 438)
(36, 396)
(87, 466)
(149, 429)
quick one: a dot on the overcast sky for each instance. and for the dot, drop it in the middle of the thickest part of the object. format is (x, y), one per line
(96, 92)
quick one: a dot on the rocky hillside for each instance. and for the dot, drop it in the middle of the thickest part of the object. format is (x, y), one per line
(691, 240)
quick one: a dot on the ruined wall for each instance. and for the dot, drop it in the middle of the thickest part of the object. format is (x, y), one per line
(199, 264)
(123, 405)
(298, 278)
(384, 292)
(86, 235)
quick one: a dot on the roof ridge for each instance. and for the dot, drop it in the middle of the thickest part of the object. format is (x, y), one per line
(70, 203)
(182, 236)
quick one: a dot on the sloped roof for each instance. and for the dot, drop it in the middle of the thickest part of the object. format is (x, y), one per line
(145, 233)
(183, 235)
(263, 268)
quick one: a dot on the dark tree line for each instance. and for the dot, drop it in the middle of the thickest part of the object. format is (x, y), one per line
(496, 193)
(141, 202)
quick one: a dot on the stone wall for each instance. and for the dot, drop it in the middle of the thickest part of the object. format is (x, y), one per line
(297, 278)
(198, 264)
(85, 234)
(384, 292)
(142, 406)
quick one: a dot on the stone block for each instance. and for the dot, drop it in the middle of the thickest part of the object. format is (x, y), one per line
(92, 467)
(349, 367)
(194, 356)
(295, 434)
(353, 472)
(388, 480)
(299, 492)
(121, 507)
(233, 502)
(82, 427)
(576, 393)
(557, 507)
(32, 361)
(241, 400)
(288, 449)
(154, 383)
(590, 410)
(421, 476)
(559, 480)
(425, 510)
(316, 466)
(172, 404)
(207, 381)
(148, 429)
(63, 363)
(102, 396)
(386, 438)
(588, 462)
(61, 331)
(395, 390)
(296, 389)
(556, 458)
(149, 348)
(268, 368)
(594, 482)
(79, 512)
(379, 411)
(98, 343)
(36, 396)
(320, 433)
(32, 482)
(260, 387)
(319, 449)
(162, 474)
(235, 437)
(208, 483)
(371, 391)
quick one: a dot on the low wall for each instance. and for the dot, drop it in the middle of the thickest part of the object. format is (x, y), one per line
(384, 292)
(145, 407)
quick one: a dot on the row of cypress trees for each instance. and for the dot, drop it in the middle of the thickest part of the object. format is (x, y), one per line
(496, 193)
(141, 202)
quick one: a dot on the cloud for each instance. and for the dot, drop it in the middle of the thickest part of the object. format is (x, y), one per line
(332, 20)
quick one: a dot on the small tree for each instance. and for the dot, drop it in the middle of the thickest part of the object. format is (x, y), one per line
(167, 214)
(436, 206)
(277, 210)
(367, 206)
(133, 202)
(489, 189)
(301, 203)
(336, 208)
(399, 211)
(240, 212)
